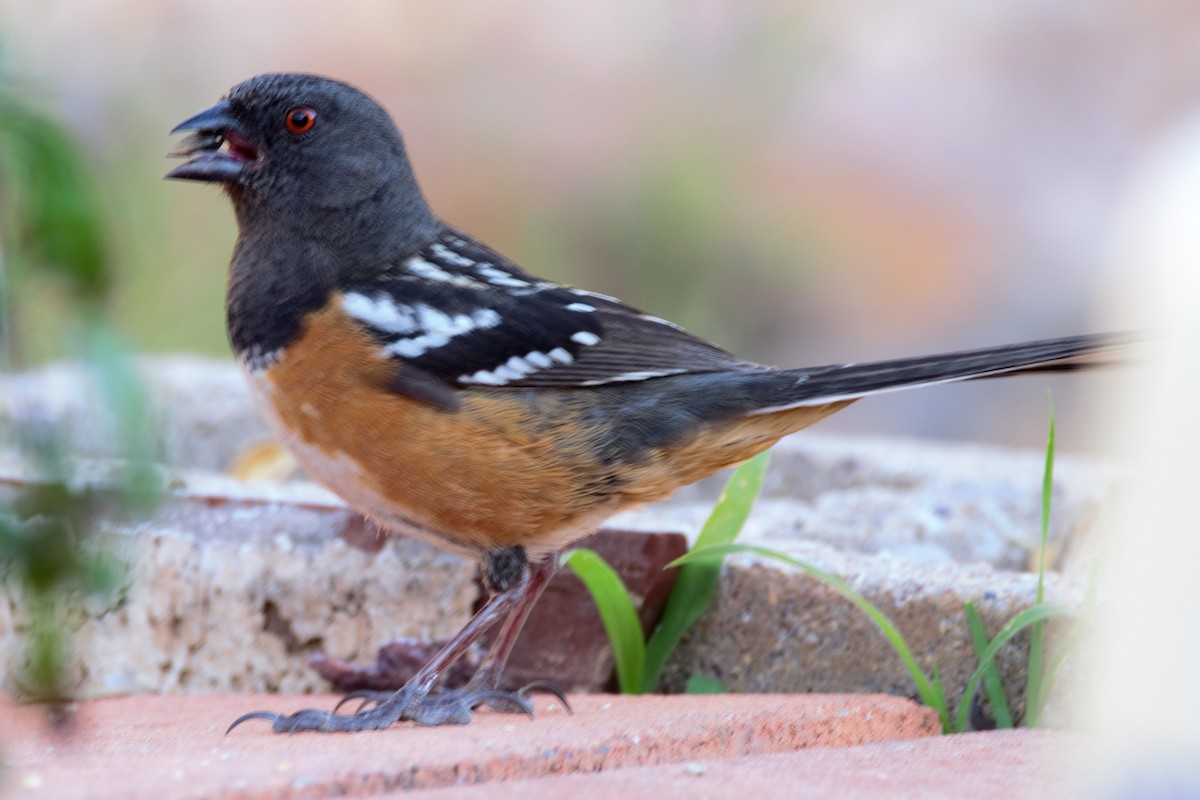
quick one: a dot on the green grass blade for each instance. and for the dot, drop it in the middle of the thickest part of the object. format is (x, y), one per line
(697, 582)
(997, 698)
(705, 684)
(1035, 688)
(940, 693)
(1029, 616)
(929, 690)
(620, 620)
(1047, 495)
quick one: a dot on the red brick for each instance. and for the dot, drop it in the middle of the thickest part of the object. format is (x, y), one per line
(174, 746)
(999, 765)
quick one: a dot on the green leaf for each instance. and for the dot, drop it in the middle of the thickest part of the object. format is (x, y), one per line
(1028, 617)
(52, 202)
(929, 689)
(705, 684)
(1035, 687)
(618, 615)
(992, 683)
(697, 582)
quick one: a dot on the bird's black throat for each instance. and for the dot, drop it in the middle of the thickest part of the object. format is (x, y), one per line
(288, 262)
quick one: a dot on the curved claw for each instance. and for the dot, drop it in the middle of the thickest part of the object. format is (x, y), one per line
(367, 696)
(269, 716)
(546, 687)
(516, 700)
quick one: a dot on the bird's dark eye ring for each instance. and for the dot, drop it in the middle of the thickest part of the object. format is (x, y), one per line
(300, 120)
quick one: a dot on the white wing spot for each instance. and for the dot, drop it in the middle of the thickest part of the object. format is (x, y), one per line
(580, 307)
(484, 377)
(439, 328)
(450, 257)
(486, 317)
(585, 338)
(597, 295)
(518, 367)
(506, 373)
(512, 370)
(498, 277)
(539, 359)
(626, 377)
(430, 271)
(382, 312)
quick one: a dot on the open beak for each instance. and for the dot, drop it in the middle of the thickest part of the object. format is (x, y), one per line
(219, 150)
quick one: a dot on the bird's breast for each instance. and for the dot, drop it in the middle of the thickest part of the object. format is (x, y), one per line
(487, 476)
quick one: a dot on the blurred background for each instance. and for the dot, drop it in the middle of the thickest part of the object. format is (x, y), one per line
(802, 182)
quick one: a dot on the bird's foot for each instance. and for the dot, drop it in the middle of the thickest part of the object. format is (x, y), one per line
(380, 710)
(517, 701)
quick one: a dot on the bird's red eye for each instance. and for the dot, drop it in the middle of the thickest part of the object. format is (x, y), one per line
(300, 120)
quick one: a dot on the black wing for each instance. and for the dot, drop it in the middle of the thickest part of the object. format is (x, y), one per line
(462, 314)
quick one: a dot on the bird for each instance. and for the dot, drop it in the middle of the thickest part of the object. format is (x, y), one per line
(449, 395)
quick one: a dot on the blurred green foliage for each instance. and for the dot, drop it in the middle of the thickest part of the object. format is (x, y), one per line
(54, 218)
(54, 225)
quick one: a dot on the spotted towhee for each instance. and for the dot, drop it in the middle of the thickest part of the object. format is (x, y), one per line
(451, 396)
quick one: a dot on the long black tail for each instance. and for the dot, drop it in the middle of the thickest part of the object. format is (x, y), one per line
(820, 385)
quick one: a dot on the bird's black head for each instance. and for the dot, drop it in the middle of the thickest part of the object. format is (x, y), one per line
(322, 190)
(288, 144)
